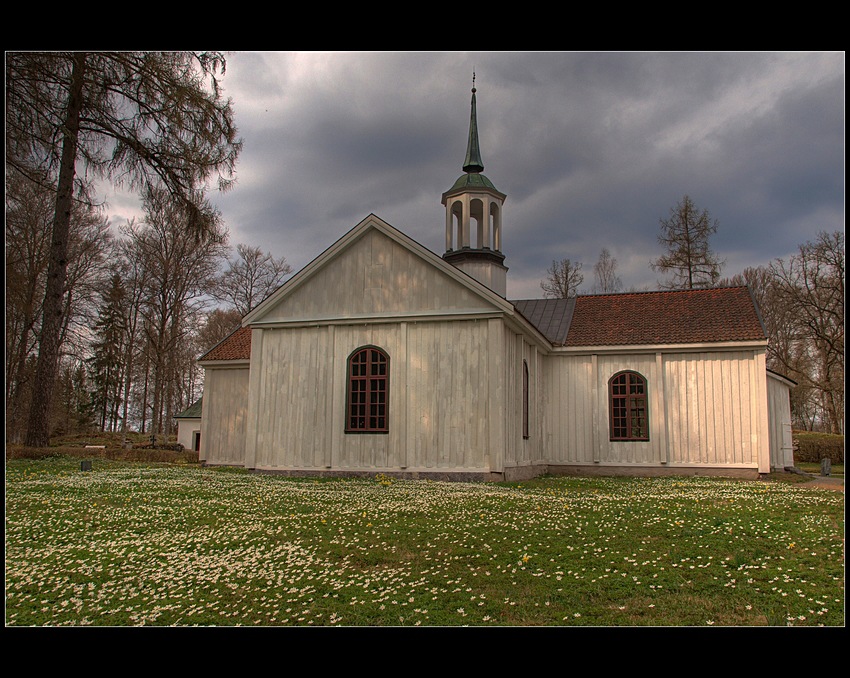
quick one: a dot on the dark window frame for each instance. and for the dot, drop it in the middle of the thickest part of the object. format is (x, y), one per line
(367, 402)
(628, 407)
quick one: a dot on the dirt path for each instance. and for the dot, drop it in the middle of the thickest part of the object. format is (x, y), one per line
(826, 483)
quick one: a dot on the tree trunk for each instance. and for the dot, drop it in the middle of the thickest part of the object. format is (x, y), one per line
(128, 372)
(145, 394)
(38, 431)
(15, 391)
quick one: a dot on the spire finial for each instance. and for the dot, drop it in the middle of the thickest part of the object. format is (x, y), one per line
(473, 161)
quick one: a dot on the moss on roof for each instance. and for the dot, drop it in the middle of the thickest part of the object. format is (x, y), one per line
(191, 412)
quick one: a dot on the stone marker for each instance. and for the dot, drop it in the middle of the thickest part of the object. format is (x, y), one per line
(825, 467)
(85, 465)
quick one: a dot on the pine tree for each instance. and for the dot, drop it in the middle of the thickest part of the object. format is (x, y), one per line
(108, 362)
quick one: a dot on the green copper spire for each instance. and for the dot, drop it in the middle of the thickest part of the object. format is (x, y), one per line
(473, 161)
(473, 179)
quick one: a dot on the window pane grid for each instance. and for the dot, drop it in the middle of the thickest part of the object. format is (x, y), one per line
(367, 391)
(629, 415)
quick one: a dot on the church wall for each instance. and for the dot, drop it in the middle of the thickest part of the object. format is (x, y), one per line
(523, 452)
(291, 399)
(440, 378)
(705, 410)
(514, 448)
(714, 408)
(223, 422)
(568, 413)
(447, 396)
(456, 405)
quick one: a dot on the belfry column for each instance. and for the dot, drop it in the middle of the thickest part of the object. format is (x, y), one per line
(474, 199)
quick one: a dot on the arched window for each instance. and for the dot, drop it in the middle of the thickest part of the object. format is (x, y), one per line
(524, 399)
(368, 391)
(628, 405)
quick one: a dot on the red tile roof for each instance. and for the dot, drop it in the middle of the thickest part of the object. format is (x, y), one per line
(235, 347)
(669, 317)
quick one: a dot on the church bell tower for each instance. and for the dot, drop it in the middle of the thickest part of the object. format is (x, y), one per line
(474, 208)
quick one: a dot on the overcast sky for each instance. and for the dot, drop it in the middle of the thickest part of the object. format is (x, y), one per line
(592, 149)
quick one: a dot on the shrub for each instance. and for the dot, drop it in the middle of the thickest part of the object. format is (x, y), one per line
(157, 454)
(174, 447)
(813, 447)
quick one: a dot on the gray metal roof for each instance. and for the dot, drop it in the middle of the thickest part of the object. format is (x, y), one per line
(551, 316)
(660, 317)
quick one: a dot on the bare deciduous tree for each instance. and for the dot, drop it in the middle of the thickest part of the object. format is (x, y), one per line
(801, 302)
(605, 271)
(217, 326)
(812, 284)
(564, 279)
(29, 212)
(250, 278)
(179, 271)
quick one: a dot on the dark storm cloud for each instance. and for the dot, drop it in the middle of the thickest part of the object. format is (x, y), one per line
(591, 149)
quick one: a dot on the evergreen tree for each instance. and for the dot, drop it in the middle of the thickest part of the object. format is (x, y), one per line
(109, 351)
(72, 412)
(179, 273)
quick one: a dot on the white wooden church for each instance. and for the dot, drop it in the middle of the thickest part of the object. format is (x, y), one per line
(381, 356)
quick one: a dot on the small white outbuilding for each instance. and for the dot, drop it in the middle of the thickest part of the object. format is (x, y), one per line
(189, 426)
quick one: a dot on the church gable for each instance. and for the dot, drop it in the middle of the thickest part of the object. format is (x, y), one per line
(373, 271)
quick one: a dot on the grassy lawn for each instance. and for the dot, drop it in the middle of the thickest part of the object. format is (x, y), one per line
(134, 543)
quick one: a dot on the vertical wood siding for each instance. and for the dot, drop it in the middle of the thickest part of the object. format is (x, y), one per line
(223, 423)
(779, 411)
(712, 399)
(521, 451)
(568, 415)
(438, 397)
(455, 386)
(629, 452)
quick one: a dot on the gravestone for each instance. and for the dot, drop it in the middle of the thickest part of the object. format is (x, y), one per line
(825, 467)
(85, 465)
